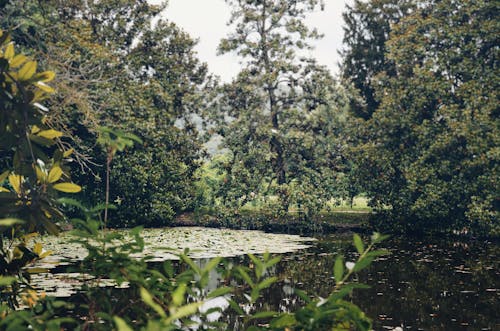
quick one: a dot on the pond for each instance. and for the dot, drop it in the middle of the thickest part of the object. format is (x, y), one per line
(421, 285)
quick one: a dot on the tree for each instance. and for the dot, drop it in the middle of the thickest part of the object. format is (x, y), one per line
(430, 152)
(143, 87)
(278, 111)
(367, 25)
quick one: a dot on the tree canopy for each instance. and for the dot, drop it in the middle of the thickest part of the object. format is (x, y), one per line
(429, 154)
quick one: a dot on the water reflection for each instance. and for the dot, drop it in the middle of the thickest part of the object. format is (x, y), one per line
(422, 285)
(431, 285)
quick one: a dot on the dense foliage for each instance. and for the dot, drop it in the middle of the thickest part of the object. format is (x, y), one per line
(280, 115)
(367, 26)
(116, 68)
(33, 167)
(429, 155)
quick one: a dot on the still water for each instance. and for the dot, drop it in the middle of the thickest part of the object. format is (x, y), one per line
(421, 285)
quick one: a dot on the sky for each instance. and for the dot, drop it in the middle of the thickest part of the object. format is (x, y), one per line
(206, 21)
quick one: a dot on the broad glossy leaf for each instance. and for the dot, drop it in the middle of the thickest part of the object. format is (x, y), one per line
(44, 87)
(27, 71)
(67, 187)
(50, 134)
(45, 76)
(40, 175)
(54, 174)
(9, 51)
(4, 176)
(18, 60)
(15, 181)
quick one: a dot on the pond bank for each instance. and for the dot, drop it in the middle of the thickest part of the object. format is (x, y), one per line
(335, 222)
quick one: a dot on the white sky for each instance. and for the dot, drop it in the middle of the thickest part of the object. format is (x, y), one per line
(206, 20)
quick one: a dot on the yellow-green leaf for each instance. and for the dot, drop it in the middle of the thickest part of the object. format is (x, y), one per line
(18, 60)
(67, 187)
(37, 270)
(50, 134)
(68, 152)
(148, 299)
(45, 254)
(35, 129)
(121, 325)
(44, 87)
(27, 71)
(40, 175)
(184, 311)
(15, 182)
(9, 51)
(37, 249)
(6, 281)
(45, 76)
(54, 174)
(10, 221)
(3, 189)
(4, 176)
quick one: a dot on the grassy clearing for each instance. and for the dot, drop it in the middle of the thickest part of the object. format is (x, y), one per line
(360, 204)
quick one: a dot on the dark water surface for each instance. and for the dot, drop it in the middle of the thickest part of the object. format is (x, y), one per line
(422, 285)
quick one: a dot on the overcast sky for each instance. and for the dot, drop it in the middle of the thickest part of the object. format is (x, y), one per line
(206, 20)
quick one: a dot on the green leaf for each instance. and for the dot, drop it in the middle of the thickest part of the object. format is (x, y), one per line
(267, 282)
(303, 295)
(377, 237)
(184, 311)
(254, 295)
(190, 262)
(148, 299)
(178, 294)
(72, 202)
(67, 187)
(365, 262)
(212, 264)
(283, 321)
(358, 243)
(121, 325)
(41, 140)
(6, 281)
(338, 269)
(218, 292)
(264, 314)
(245, 276)
(236, 307)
